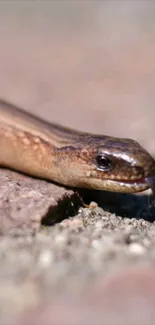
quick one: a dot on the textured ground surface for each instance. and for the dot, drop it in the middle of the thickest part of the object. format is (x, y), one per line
(88, 65)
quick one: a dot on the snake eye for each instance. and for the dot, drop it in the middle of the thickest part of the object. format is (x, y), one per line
(103, 162)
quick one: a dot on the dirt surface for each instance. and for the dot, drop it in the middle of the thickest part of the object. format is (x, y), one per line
(26, 203)
(88, 65)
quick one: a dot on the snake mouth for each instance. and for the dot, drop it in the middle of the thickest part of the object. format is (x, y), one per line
(148, 181)
(132, 181)
(129, 186)
(138, 182)
(138, 185)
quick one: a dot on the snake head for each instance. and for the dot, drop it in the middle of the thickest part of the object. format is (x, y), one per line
(124, 165)
(112, 164)
(106, 163)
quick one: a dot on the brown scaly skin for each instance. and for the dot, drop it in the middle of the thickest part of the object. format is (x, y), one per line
(45, 150)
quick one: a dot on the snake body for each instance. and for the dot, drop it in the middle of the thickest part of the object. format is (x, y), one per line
(77, 159)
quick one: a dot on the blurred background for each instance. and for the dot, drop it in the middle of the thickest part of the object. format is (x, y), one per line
(84, 64)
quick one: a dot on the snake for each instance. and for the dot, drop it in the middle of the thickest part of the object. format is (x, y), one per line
(36, 147)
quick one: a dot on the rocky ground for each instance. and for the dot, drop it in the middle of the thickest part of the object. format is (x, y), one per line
(68, 257)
